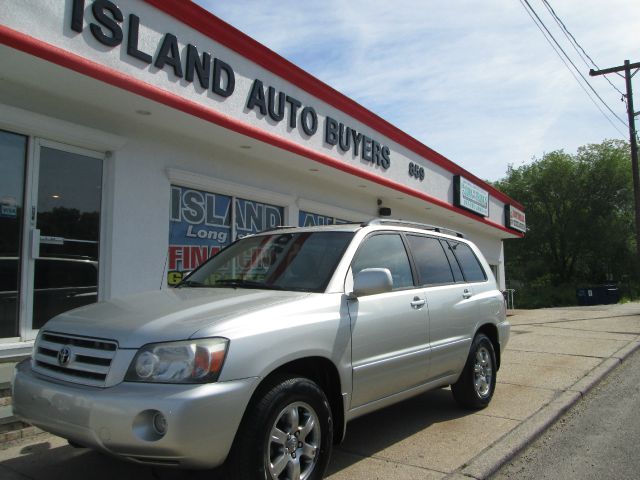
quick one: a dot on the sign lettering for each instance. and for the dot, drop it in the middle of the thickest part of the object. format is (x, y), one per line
(470, 197)
(111, 28)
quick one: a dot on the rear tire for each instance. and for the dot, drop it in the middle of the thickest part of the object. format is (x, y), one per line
(286, 433)
(474, 389)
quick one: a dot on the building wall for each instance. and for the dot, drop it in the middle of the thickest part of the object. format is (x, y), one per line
(155, 130)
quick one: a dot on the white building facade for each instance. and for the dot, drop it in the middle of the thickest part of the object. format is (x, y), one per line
(137, 138)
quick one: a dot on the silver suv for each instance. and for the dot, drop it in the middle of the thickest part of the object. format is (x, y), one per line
(261, 356)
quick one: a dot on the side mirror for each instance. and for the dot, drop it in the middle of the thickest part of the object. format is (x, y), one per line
(372, 281)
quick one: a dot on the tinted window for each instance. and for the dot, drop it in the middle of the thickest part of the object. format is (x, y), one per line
(471, 267)
(385, 251)
(455, 267)
(432, 263)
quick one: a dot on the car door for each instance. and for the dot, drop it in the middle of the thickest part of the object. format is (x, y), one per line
(450, 303)
(390, 351)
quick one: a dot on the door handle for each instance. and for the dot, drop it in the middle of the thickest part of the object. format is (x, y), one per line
(418, 302)
(466, 294)
(35, 243)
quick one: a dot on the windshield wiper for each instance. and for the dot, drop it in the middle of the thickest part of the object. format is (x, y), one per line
(239, 283)
(192, 284)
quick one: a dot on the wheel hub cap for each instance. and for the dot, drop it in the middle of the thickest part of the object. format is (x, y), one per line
(483, 372)
(293, 443)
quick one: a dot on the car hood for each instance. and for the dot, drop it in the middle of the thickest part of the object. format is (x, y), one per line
(164, 315)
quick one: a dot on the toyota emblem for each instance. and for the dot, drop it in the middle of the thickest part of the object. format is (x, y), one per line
(64, 356)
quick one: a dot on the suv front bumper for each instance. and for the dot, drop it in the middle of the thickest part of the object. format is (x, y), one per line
(201, 420)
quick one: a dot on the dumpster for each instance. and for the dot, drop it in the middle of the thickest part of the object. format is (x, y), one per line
(585, 296)
(610, 294)
(606, 294)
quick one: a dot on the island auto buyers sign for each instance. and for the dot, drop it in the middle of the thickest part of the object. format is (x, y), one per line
(196, 67)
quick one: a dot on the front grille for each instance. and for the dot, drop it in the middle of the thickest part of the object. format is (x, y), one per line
(84, 360)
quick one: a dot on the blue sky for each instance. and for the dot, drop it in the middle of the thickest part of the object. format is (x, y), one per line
(474, 80)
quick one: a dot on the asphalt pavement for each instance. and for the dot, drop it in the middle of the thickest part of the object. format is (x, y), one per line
(553, 358)
(598, 438)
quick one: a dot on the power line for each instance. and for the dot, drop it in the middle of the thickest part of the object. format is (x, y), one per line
(576, 45)
(571, 71)
(540, 24)
(570, 61)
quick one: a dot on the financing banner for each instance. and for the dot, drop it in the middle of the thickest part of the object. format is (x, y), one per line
(201, 225)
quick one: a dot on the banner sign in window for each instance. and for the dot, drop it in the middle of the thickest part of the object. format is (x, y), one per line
(515, 218)
(200, 226)
(254, 217)
(308, 219)
(470, 197)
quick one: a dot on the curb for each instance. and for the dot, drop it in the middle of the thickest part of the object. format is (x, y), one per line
(13, 437)
(505, 449)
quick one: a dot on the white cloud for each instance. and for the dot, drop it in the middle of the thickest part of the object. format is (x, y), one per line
(475, 81)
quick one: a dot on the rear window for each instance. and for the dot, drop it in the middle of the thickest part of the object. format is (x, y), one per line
(455, 266)
(431, 261)
(469, 263)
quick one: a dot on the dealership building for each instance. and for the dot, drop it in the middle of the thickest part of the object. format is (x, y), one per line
(138, 137)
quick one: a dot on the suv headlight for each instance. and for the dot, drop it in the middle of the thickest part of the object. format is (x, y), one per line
(189, 361)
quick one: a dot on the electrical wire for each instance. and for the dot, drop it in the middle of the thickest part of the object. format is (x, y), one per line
(569, 68)
(558, 48)
(571, 62)
(576, 46)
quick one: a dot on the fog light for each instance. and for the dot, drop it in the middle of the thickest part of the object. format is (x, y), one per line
(150, 425)
(160, 423)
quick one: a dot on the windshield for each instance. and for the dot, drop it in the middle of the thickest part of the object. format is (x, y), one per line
(301, 261)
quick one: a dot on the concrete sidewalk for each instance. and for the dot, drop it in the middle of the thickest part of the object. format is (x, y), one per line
(554, 356)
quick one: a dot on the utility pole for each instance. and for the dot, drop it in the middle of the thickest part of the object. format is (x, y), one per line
(632, 135)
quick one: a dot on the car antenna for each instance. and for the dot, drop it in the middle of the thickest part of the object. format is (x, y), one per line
(164, 269)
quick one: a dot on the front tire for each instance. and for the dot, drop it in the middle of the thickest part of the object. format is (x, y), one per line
(287, 433)
(474, 389)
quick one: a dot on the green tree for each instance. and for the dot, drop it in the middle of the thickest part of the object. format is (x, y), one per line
(579, 222)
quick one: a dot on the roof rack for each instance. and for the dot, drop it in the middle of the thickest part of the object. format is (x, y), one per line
(421, 226)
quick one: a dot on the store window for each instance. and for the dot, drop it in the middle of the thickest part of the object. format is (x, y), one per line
(57, 269)
(13, 150)
(68, 220)
(309, 219)
(202, 223)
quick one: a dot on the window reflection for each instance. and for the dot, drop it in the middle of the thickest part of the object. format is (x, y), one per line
(13, 150)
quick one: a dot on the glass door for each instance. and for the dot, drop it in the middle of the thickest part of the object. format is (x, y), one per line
(66, 199)
(13, 154)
